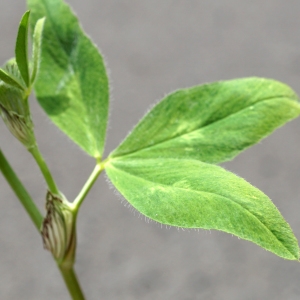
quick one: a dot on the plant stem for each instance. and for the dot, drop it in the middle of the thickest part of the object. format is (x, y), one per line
(20, 191)
(72, 283)
(44, 169)
(88, 185)
(36, 217)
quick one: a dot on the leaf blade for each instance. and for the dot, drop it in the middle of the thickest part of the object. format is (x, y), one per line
(7, 78)
(21, 50)
(193, 194)
(36, 51)
(192, 123)
(72, 85)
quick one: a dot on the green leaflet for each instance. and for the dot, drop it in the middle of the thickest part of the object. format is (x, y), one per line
(72, 85)
(10, 80)
(12, 70)
(212, 122)
(22, 48)
(193, 194)
(37, 44)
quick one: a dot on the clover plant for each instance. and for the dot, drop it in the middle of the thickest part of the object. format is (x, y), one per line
(166, 168)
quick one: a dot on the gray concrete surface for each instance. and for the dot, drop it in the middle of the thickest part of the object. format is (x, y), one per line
(152, 48)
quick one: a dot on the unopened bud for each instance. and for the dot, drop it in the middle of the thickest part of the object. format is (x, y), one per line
(58, 230)
(14, 109)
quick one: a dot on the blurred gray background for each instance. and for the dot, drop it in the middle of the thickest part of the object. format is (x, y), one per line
(152, 48)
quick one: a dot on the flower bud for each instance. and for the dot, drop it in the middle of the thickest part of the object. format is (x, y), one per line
(14, 109)
(58, 230)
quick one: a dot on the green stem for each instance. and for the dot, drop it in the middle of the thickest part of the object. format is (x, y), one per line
(44, 169)
(36, 217)
(88, 185)
(72, 283)
(20, 191)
